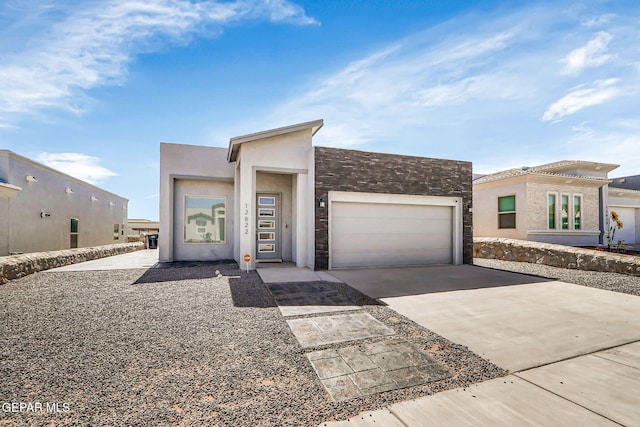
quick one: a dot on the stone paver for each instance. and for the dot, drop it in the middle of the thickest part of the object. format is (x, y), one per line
(316, 331)
(305, 298)
(287, 274)
(361, 370)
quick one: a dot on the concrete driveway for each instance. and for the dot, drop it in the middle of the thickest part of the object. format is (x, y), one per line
(514, 320)
(575, 350)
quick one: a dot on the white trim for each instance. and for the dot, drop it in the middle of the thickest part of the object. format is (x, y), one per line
(565, 232)
(404, 199)
(615, 205)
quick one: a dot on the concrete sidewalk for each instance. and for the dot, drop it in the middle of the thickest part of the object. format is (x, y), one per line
(146, 258)
(562, 393)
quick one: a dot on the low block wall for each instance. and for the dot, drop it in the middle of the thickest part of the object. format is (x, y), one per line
(555, 255)
(16, 266)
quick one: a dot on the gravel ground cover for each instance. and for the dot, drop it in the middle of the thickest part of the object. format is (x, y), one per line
(185, 345)
(608, 281)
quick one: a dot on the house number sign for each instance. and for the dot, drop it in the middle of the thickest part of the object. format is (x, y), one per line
(245, 225)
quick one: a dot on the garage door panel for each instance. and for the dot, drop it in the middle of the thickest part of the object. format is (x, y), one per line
(370, 234)
(344, 226)
(393, 258)
(362, 241)
(628, 218)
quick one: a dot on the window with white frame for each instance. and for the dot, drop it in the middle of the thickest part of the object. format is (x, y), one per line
(507, 212)
(564, 211)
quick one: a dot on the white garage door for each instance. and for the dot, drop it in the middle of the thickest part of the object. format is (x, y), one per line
(628, 230)
(376, 234)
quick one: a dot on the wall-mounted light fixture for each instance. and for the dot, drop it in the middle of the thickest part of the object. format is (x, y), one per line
(31, 178)
(94, 199)
(111, 204)
(45, 214)
(470, 207)
(321, 202)
(68, 191)
(124, 208)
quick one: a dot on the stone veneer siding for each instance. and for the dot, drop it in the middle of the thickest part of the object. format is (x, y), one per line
(16, 266)
(360, 171)
(555, 255)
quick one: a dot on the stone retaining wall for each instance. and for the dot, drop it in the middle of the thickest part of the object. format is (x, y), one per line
(555, 255)
(16, 266)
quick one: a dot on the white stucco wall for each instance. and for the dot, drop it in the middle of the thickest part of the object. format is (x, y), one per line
(532, 209)
(285, 154)
(191, 164)
(485, 209)
(22, 229)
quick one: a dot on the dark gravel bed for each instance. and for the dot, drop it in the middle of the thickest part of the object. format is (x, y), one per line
(608, 281)
(186, 345)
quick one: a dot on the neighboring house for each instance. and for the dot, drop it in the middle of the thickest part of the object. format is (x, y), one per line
(42, 209)
(275, 197)
(624, 199)
(141, 227)
(562, 202)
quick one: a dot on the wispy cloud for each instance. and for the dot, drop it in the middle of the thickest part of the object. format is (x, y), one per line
(582, 97)
(91, 44)
(590, 55)
(81, 166)
(483, 87)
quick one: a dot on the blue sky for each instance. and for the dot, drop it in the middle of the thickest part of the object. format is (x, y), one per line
(92, 87)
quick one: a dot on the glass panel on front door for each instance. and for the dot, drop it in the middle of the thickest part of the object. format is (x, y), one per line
(268, 224)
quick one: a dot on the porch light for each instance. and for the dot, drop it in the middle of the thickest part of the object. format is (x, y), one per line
(68, 191)
(321, 202)
(94, 199)
(31, 178)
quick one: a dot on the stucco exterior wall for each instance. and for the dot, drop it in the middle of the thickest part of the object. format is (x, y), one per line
(23, 230)
(187, 162)
(485, 209)
(286, 154)
(185, 251)
(359, 171)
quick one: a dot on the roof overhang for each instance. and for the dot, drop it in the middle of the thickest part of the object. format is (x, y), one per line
(236, 142)
(8, 190)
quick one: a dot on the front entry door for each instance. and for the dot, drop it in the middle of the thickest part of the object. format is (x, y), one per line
(268, 227)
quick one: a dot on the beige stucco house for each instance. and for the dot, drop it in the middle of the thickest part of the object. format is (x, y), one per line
(42, 209)
(273, 196)
(563, 202)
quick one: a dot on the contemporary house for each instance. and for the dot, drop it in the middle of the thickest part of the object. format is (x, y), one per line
(274, 197)
(563, 202)
(137, 228)
(42, 209)
(624, 199)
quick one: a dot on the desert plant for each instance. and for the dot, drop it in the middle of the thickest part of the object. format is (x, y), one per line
(617, 225)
